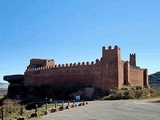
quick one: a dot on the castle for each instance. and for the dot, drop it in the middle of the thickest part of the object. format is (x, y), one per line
(106, 73)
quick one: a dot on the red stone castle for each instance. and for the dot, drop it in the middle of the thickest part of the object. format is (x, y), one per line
(107, 73)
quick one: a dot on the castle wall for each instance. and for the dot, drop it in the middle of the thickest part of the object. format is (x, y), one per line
(107, 73)
(136, 76)
(62, 75)
(121, 75)
(145, 77)
(50, 63)
(126, 73)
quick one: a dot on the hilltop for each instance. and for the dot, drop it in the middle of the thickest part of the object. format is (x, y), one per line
(154, 80)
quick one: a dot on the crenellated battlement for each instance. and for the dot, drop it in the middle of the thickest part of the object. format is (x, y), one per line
(114, 52)
(67, 65)
(132, 54)
(110, 48)
(105, 73)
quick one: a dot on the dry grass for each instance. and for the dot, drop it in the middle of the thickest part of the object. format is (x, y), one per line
(132, 93)
(12, 110)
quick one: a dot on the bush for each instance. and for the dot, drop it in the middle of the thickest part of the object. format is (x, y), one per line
(128, 95)
(138, 87)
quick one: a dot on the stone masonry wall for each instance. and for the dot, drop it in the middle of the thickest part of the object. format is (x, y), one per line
(110, 67)
(63, 75)
(107, 73)
(136, 76)
(121, 75)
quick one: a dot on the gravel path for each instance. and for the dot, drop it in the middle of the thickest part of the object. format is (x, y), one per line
(110, 110)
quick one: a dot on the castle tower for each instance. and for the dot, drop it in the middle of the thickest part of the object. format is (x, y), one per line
(133, 59)
(145, 77)
(35, 63)
(110, 67)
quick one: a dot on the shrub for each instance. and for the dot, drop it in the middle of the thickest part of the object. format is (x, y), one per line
(138, 87)
(128, 95)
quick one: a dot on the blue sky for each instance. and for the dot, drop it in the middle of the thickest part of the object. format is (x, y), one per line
(71, 31)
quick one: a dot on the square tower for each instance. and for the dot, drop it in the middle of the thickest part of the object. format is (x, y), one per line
(133, 59)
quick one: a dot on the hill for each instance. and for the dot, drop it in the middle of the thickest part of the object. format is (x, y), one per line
(3, 85)
(154, 80)
(3, 89)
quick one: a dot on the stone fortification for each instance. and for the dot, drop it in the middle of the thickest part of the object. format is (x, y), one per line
(106, 73)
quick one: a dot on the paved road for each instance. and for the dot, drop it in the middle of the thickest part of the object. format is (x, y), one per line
(110, 110)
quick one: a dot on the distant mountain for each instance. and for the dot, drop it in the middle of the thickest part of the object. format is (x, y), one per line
(3, 85)
(154, 80)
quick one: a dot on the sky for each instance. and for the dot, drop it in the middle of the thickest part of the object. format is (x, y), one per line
(72, 31)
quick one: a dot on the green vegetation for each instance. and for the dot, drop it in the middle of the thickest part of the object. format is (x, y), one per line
(12, 110)
(155, 77)
(132, 93)
(154, 80)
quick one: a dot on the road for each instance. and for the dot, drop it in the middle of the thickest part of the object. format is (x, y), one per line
(110, 110)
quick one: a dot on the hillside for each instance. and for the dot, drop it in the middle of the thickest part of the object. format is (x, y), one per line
(3, 85)
(137, 92)
(154, 80)
(3, 89)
